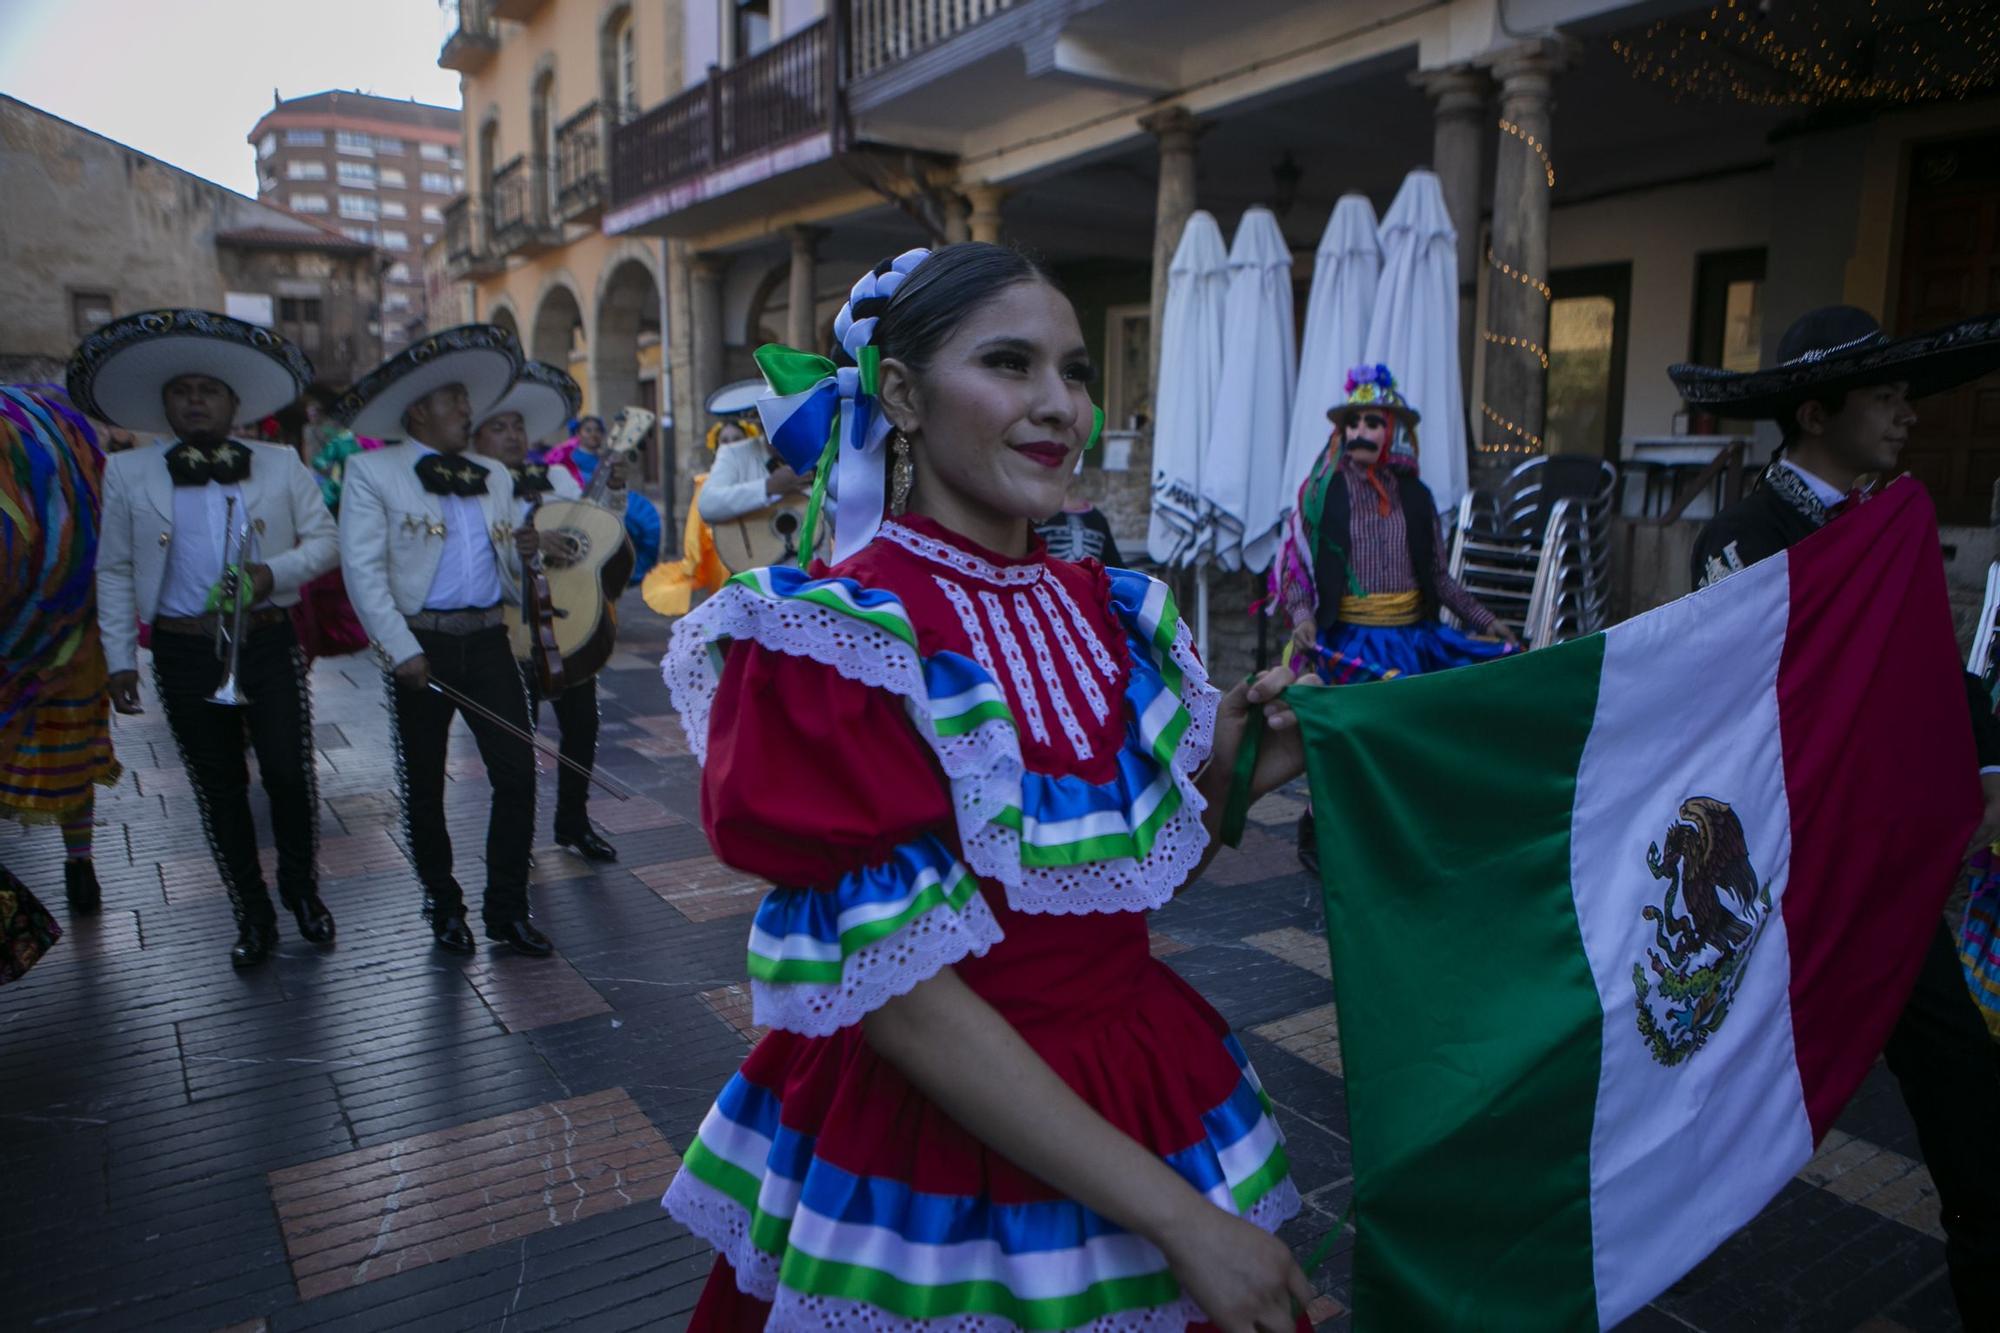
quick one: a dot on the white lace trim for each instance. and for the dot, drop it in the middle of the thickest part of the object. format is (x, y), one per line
(1025, 698)
(1100, 708)
(984, 766)
(1098, 652)
(968, 620)
(964, 562)
(725, 1225)
(1059, 699)
(872, 976)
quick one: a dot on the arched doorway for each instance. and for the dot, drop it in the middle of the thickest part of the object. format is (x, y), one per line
(626, 361)
(557, 334)
(503, 315)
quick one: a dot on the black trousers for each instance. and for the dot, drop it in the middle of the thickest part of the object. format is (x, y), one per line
(576, 716)
(480, 666)
(271, 669)
(1949, 1069)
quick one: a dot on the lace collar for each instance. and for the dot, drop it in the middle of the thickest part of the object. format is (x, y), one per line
(931, 541)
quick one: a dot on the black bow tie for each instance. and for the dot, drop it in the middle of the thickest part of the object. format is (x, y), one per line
(532, 479)
(443, 474)
(191, 465)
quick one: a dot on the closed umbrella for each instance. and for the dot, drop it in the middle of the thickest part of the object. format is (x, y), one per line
(1345, 272)
(1243, 467)
(1414, 331)
(1184, 402)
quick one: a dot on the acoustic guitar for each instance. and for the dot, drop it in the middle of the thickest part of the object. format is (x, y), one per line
(768, 536)
(597, 561)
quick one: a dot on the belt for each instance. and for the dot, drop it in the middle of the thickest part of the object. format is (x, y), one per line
(208, 624)
(468, 621)
(1389, 609)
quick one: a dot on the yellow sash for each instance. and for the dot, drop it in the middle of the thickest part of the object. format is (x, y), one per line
(1383, 608)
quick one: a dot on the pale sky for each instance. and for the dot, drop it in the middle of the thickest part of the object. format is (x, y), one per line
(184, 80)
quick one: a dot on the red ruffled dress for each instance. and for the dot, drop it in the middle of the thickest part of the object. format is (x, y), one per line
(949, 758)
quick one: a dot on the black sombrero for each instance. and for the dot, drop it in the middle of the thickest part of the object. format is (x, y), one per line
(484, 358)
(119, 371)
(545, 397)
(1836, 348)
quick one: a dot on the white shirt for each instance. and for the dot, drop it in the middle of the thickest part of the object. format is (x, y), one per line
(468, 573)
(194, 557)
(1825, 492)
(735, 485)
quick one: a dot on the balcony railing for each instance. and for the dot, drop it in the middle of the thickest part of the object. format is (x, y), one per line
(778, 95)
(579, 165)
(882, 32)
(519, 199)
(467, 253)
(473, 38)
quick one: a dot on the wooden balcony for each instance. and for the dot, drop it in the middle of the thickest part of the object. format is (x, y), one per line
(784, 93)
(883, 33)
(580, 165)
(521, 210)
(519, 11)
(474, 39)
(467, 253)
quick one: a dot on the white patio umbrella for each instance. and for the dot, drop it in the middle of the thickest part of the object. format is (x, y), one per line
(1184, 401)
(1414, 330)
(1243, 467)
(1345, 272)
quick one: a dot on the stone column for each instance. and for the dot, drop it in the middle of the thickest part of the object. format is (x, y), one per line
(690, 423)
(1177, 129)
(956, 227)
(1517, 304)
(801, 323)
(1460, 134)
(985, 220)
(705, 324)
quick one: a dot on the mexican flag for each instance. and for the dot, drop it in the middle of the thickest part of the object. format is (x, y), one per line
(1618, 925)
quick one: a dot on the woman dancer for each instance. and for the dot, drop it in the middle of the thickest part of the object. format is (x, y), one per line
(974, 769)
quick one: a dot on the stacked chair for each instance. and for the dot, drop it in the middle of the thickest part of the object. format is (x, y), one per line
(1538, 552)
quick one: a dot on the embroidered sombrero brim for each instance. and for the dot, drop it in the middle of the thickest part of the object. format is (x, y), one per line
(118, 372)
(483, 357)
(545, 397)
(1930, 362)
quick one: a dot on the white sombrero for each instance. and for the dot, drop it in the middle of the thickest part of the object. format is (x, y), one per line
(482, 357)
(118, 372)
(545, 397)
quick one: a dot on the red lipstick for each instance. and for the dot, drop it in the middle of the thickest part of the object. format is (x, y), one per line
(1046, 452)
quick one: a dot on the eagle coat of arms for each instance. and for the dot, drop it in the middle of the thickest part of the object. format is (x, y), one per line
(1704, 928)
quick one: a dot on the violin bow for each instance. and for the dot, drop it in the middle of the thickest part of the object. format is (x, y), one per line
(604, 780)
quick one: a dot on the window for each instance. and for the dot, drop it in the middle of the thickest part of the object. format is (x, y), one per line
(1586, 396)
(434, 152)
(437, 182)
(306, 169)
(392, 179)
(399, 272)
(357, 175)
(298, 309)
(392, 209)
(88, 310)
(393, 147)
(752, 31)
(628, 71)
(396, 303)
(267, 145)
(432, 213)
(353, 141)
(365, 235)
(429, 236)
(395, 240)
(457, 183)
(308, 203)
(359, 206)
(305, 139)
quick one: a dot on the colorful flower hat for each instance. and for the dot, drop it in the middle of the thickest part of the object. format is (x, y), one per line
(1375, 387)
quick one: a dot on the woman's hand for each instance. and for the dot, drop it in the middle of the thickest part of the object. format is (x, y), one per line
(1282, 755)
(1242, 1277)
(1305, 634)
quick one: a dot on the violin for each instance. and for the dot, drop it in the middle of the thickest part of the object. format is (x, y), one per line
(538, 616)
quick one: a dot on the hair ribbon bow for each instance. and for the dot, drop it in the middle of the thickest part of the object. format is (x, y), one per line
(817, 414)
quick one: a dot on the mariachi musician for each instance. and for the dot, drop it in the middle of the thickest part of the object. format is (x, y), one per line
(748, 475)
(195, 527)
(430, 549)
(537, 405)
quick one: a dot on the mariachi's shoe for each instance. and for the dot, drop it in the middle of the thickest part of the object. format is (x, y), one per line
(253, 945)
(452, 934)
(586, 842)
(80, 887)
(523, 936)
(315, 922)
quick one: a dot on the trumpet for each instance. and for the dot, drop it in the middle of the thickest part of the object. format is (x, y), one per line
(229, 623)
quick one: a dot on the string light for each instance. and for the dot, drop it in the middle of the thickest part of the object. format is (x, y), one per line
(1525, 441)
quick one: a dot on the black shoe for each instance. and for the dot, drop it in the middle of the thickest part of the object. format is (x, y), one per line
(587, 842)
(1308, 843)
(253, 945)
(315, 922)
(453, 935)
(523, 936)
(80, 887)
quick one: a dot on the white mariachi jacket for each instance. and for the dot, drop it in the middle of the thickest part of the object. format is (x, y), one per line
(294, 532)
(392, 536)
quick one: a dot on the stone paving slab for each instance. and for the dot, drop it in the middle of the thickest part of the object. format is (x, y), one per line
(373, 1137)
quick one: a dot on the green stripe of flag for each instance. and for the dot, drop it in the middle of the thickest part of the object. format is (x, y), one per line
(1472, 1054)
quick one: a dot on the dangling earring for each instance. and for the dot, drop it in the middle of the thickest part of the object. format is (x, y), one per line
(902, 473)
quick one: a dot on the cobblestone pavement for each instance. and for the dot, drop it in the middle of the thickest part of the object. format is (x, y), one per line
(383, 1137)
